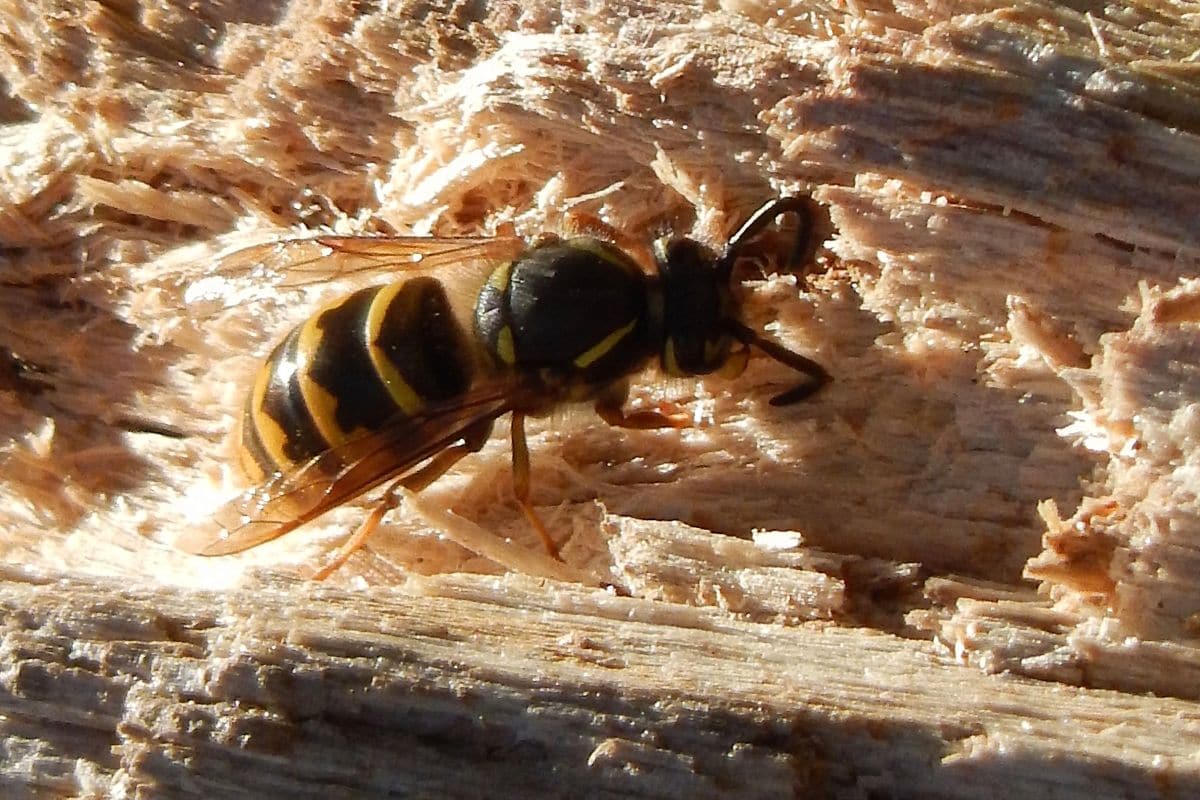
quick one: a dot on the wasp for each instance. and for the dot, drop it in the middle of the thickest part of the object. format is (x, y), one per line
(396, 383)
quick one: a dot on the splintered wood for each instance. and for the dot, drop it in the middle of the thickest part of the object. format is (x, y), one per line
(284, 689)
(970, 562)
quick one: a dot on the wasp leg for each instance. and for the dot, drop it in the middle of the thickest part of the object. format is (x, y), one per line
(544, 238)
(360, 535)
(610, 410)
(521, 484)
(415, 482)
(577, 223)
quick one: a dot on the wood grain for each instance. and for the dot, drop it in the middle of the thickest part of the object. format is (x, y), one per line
(967, 568)
(290, 689)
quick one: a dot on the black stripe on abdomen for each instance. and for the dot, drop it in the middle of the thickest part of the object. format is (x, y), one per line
(297, 438)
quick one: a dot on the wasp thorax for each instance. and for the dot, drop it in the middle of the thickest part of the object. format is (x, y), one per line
(569, 311)
(697, 303)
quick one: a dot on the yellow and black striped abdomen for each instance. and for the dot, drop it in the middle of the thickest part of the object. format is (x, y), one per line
(350, 368)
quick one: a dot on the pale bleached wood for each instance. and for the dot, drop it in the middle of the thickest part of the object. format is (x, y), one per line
(1005, 297)
(293, 689)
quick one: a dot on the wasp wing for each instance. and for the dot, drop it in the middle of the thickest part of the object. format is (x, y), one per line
(263, 272)
(289, 499)
(294, 263)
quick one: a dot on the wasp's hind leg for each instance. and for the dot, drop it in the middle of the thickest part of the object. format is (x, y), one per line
(472, 442)
(360, 535)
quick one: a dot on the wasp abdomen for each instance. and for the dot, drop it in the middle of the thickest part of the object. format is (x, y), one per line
(353, 367)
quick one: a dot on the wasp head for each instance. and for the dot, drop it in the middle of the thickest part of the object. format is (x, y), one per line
(698, 308)
(701, 318)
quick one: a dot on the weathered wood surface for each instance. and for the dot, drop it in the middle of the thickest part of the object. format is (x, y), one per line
(979, 563)
(302, 691)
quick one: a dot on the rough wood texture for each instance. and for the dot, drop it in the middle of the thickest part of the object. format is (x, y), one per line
(963, 570)
(251, 692)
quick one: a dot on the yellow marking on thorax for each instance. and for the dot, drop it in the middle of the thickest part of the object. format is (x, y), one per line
(402, 393)
(498, 280)
(505, 348)
(598, 350)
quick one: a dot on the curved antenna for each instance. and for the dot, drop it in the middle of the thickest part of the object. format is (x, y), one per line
(816, 375)
(802, 207)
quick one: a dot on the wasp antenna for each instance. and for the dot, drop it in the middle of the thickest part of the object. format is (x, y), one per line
(816, 375)
(801, 207)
